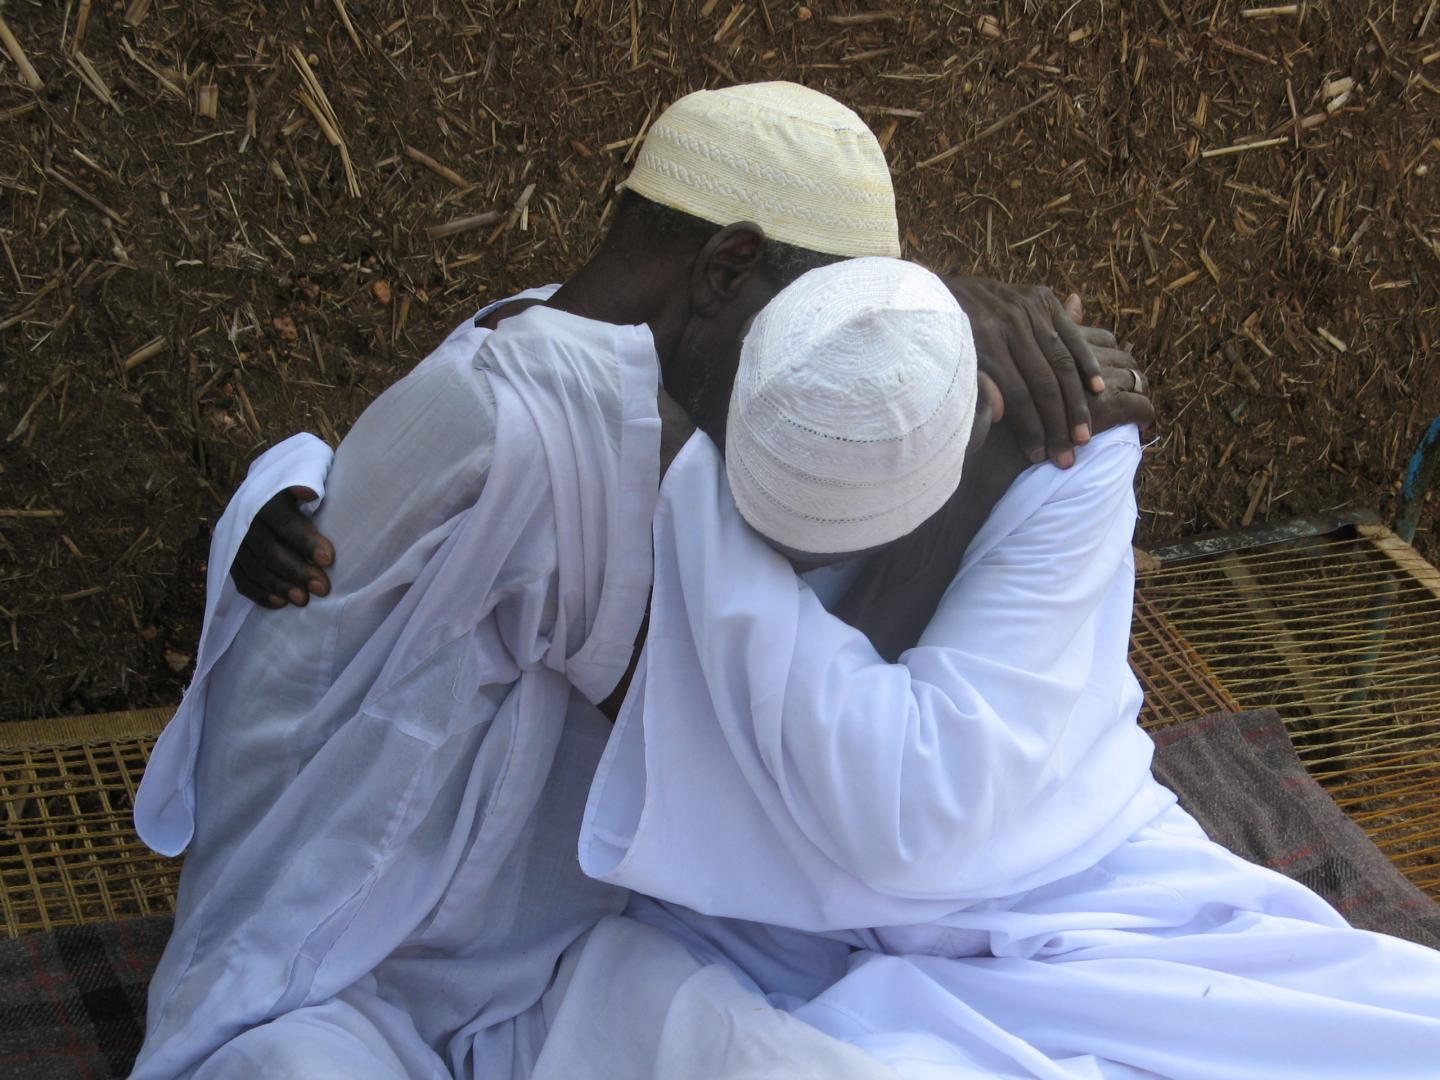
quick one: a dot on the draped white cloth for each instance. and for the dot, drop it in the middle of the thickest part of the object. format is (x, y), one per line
(954, 867)
(384, 788)
(865, 793)
(1037, 905)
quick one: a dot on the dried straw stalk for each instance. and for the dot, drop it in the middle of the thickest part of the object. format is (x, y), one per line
(12, 46)
(313, 97)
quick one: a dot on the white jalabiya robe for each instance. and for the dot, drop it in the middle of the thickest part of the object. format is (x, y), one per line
(384, 788)
(1038, 906)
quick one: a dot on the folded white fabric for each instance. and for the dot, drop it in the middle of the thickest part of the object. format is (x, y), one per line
(852, 408)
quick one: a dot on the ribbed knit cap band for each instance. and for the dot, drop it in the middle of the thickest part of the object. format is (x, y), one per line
(799, 164)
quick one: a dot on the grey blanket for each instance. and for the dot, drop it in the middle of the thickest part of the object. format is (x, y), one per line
(1239, 776)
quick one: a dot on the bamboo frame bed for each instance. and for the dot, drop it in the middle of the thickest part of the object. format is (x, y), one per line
(1339, 632)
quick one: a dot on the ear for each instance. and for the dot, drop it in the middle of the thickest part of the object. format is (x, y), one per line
(725, 266)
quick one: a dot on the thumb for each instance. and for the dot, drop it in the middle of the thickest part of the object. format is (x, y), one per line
(990, 395)
(1075, 308)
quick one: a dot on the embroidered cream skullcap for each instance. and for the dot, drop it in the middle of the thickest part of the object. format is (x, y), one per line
(797, 163)
(852, 407)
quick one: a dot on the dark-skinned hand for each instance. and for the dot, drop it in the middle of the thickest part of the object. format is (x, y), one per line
(281, 561)
(1126, 395)
(1047, 372)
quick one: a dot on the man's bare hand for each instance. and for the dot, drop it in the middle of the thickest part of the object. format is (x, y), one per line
(1126, 397)
(281, 558)
(1045, 368)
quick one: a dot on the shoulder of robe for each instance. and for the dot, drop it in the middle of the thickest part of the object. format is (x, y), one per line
(561, 352)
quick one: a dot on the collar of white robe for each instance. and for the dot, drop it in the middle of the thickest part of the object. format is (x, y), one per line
(852, 407)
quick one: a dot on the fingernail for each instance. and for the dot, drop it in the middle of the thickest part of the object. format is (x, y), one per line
(317, 586)
(1097, 384)
(323, 556)
(297, 596)
(1037, 456)
(1065, 459)
(1081, 434)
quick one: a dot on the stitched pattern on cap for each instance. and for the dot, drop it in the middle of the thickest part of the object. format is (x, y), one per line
(842, 223)
(763, 170)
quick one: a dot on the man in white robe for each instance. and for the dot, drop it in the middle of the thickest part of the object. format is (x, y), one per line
(374, 787)
(958, 863)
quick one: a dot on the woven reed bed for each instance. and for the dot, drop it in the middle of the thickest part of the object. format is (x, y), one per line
(1341, 635)
(68, 852)
(1177, 682)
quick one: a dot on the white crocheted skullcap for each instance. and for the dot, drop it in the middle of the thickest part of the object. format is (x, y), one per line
(852, 407)
(797, 163)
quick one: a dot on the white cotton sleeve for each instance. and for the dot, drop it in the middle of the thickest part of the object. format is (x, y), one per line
(1000, 744)
(782, 771)
(165, 803)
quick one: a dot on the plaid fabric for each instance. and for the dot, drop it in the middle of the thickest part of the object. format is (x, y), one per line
(1238, 775)
(72, 1002)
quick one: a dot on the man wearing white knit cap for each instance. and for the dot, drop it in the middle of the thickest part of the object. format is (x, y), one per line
(381, 792)
(811, 174)
(955, 865)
